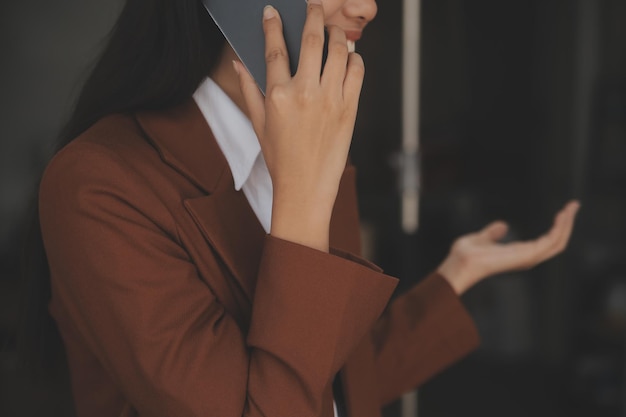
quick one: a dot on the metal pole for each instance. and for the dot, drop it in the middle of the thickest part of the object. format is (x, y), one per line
(410, 115)
(410, 140)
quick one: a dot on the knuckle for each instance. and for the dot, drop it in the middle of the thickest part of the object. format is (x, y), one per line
(338, 48)
(305, 97)
(276, 94)
(274, 54)
(312, 40)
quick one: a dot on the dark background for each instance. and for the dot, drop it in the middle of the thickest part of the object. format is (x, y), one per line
(523, 107)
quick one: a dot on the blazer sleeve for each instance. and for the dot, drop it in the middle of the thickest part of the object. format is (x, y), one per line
(136, 300)
(423, 331)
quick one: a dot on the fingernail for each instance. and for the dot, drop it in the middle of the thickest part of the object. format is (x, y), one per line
(269, 12)
(235, 67)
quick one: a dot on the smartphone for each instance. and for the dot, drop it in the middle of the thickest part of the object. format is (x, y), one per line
(241, 22)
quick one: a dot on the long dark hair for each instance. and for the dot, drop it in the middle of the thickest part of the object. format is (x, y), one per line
(157, 54)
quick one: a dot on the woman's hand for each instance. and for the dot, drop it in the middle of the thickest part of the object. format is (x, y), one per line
(305, 124)
(478, 255)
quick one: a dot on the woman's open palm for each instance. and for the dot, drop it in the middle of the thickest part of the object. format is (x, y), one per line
(479, 255)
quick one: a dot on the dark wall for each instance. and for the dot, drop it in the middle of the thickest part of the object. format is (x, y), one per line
(46, 48)
(523, 107)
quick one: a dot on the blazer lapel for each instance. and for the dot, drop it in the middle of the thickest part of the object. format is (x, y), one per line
(233, 230)
(185, 142)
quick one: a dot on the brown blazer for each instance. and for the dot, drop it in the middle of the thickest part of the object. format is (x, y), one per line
(172, 301)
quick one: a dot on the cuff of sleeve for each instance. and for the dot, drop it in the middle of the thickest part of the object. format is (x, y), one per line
(356, 259)
(462, 331)
(424, 331)
(312, 308)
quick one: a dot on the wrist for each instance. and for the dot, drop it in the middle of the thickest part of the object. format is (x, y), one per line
(301, 221)
(456, 276)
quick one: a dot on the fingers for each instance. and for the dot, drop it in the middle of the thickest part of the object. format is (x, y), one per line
(564, 223)
(337, 60)
(255, 102)
(312, 48)
(276, 57)
(556, 240)
(525, 255)
(344, 71)
(571, 209)
(354, 79)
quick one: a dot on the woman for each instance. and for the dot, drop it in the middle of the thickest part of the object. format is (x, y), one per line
(203, 240)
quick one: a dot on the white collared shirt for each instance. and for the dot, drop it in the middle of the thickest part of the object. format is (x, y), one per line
(236, 138)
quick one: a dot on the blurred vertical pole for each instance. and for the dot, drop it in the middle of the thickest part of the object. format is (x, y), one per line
(623, 404)
(410, 115)
(563, 283)
(409, 176)
(587, 62)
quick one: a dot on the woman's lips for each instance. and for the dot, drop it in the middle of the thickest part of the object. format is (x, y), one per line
(353, 35)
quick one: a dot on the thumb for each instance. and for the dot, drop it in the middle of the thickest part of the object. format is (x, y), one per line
(494, 231)
(255, 102)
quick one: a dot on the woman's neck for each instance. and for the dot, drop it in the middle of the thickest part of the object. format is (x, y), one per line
(225, 76)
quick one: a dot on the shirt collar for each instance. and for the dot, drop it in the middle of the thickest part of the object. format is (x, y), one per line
(233, 131)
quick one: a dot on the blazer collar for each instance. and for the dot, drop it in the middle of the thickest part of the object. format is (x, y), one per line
(184, 140)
